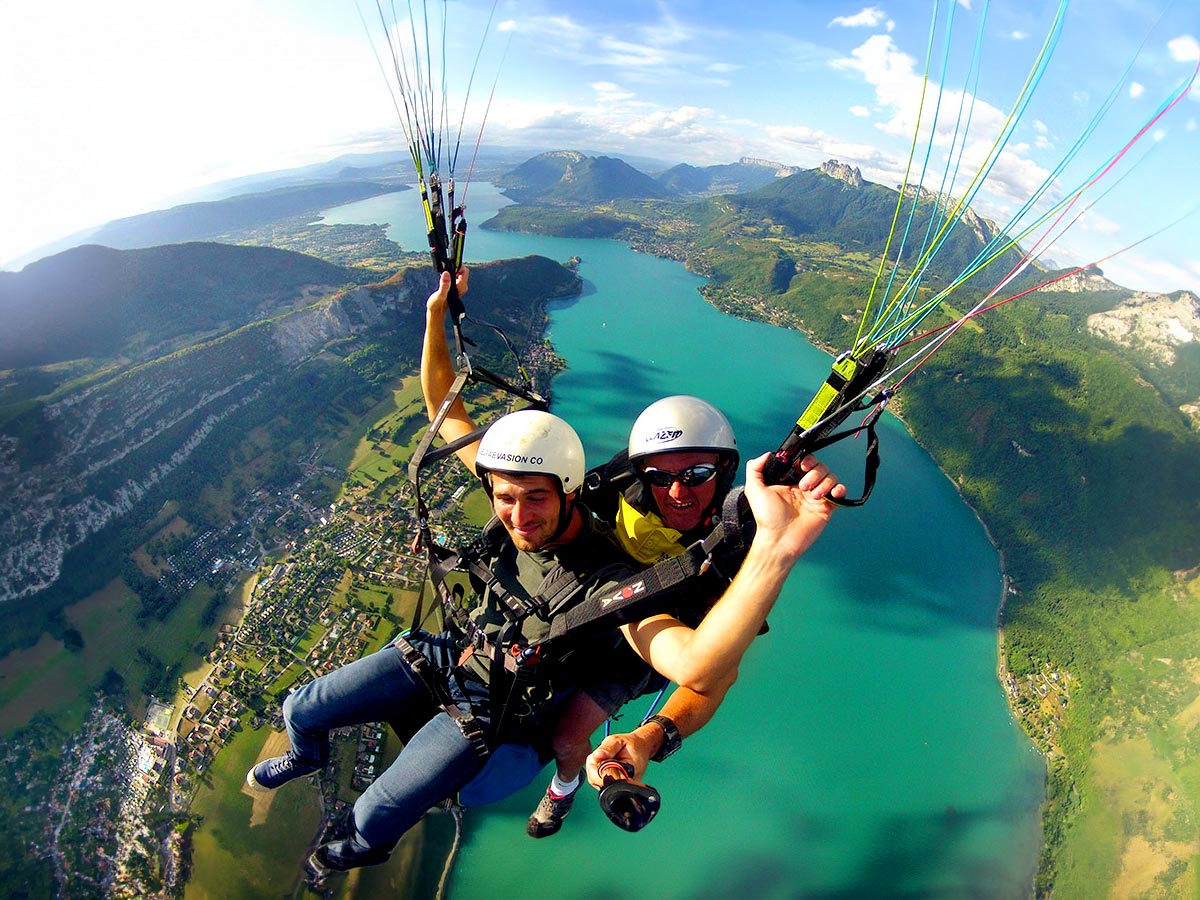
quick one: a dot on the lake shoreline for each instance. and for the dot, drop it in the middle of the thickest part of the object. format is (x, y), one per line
(770, 315)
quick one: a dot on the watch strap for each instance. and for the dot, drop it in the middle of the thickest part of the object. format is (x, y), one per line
(672, 740)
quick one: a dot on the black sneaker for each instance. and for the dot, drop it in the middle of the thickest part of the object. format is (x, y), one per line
(548, 817)
(342, 855)
(277, 771)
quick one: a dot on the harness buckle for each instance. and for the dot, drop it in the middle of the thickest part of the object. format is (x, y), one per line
(473, 732)
(526, 656)
(416, 660)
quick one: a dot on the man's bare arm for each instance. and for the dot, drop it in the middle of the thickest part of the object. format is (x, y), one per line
(789, 520)
(438, 372)
(690, 711)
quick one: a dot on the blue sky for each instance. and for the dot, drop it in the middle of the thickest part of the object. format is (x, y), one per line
(113, 109)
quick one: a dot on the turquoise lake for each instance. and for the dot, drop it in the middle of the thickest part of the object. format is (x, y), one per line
(867, 749)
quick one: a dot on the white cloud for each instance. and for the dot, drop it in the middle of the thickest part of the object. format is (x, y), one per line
(642, 53)
(797, 134)
(1094, 221)
(683, 124)
(1138, 270)
(871, 17)
(608, 92)
(562, 27)
(812, 146)
(1012, 178)
(860, 111)
(1184, 48)
(627, 54)
(668, 31)
(892, 74)
(1019, 35)
(898, 87)
(1136, 89)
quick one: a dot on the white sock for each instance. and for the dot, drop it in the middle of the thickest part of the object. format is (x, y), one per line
(560, 788)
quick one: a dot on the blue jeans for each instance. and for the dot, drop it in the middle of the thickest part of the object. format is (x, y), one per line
(435, 762)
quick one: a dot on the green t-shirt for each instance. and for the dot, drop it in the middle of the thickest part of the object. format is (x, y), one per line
(596, 560)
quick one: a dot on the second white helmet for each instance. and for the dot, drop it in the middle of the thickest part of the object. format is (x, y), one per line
(681, 422)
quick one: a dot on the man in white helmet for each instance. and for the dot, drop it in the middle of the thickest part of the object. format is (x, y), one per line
(441, 698)
(684, 478)
(451, 696)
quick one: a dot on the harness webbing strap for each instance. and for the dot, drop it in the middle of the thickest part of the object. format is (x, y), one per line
(839, 397)
(871, 465)
(465, 720)
(636, 597)
(418, 458)
(519, 677)
(535, 399)
(439, 568)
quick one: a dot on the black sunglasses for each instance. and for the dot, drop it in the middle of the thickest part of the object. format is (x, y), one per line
(692, 476)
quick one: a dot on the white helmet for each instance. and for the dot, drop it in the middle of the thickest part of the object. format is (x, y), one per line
(681, 423)
(532, 442)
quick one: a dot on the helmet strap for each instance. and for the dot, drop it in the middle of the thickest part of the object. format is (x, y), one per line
(565, 512)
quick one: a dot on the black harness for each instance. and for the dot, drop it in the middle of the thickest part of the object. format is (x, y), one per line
(558, 601)
(511, 659)
(653, 590)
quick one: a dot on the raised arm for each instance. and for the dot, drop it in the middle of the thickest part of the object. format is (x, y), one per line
(789, 520)
(437, 369)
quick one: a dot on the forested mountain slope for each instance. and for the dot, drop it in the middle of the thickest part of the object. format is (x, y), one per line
(75, 465)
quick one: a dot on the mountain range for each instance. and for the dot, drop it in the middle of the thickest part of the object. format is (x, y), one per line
(572, 177)
(101, 303)
(279, 331)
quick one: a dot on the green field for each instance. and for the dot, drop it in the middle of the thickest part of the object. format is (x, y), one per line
(240, 856)
(375, 454)
(51, 679)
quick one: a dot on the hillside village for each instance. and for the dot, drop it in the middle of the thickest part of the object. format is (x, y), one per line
(125, 836)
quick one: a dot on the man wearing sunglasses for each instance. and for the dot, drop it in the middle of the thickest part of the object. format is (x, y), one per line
(681, 463)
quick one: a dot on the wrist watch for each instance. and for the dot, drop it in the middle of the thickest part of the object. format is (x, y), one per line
(672, 740)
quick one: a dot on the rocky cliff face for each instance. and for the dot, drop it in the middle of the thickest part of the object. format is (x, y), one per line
(1085, 282)
(983, 229)
(299, 335)
(1155, 324)
(780, 170)
(101, 449)
(843, 172)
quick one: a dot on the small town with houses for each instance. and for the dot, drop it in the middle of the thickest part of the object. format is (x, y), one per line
(322, 602)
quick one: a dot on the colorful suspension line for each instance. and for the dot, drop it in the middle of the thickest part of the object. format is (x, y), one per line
(424, 112)
(860, 378)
